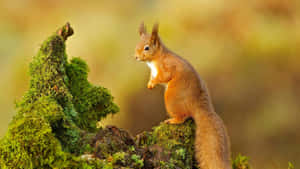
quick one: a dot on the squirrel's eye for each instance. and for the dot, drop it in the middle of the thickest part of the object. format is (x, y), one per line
(146, 47)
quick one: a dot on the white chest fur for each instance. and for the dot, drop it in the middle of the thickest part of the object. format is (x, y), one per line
(152, 68)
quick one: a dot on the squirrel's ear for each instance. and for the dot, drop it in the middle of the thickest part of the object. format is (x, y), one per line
(142, 29)
(154, 35)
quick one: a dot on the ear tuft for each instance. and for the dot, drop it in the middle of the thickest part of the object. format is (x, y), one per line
(155, 29)
(154, 35)
(142, 29)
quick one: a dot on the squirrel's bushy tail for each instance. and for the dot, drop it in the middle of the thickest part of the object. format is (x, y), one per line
(212, 142)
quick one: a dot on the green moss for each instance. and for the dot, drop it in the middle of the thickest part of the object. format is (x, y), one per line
(138, 162)
(29, 144)
(48, 75)
(166, 165)
(119, 157)
(173, 142)
(240, 162)
(49, 79)
(92, 102)
(47, 130)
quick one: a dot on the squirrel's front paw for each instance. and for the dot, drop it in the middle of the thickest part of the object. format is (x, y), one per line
(150, 85)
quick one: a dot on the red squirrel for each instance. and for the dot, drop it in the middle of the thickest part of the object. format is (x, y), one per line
(186, 96)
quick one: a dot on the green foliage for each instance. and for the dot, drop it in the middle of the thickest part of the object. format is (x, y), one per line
(240, 162)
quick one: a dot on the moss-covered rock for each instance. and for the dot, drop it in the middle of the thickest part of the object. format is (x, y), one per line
(48, 130)
(166, 146)
(55, 123)
(172, 146)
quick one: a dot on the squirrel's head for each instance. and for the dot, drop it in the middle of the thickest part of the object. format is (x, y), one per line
(149, 44)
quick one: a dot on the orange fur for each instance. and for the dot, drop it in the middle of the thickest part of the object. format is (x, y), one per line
(186, 96)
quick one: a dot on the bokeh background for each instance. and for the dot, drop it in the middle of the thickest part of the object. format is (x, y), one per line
(248, 52)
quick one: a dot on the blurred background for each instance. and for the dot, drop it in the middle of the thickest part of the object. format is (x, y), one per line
(248, 52)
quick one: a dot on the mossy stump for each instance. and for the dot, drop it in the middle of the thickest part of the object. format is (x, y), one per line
(55, 123)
